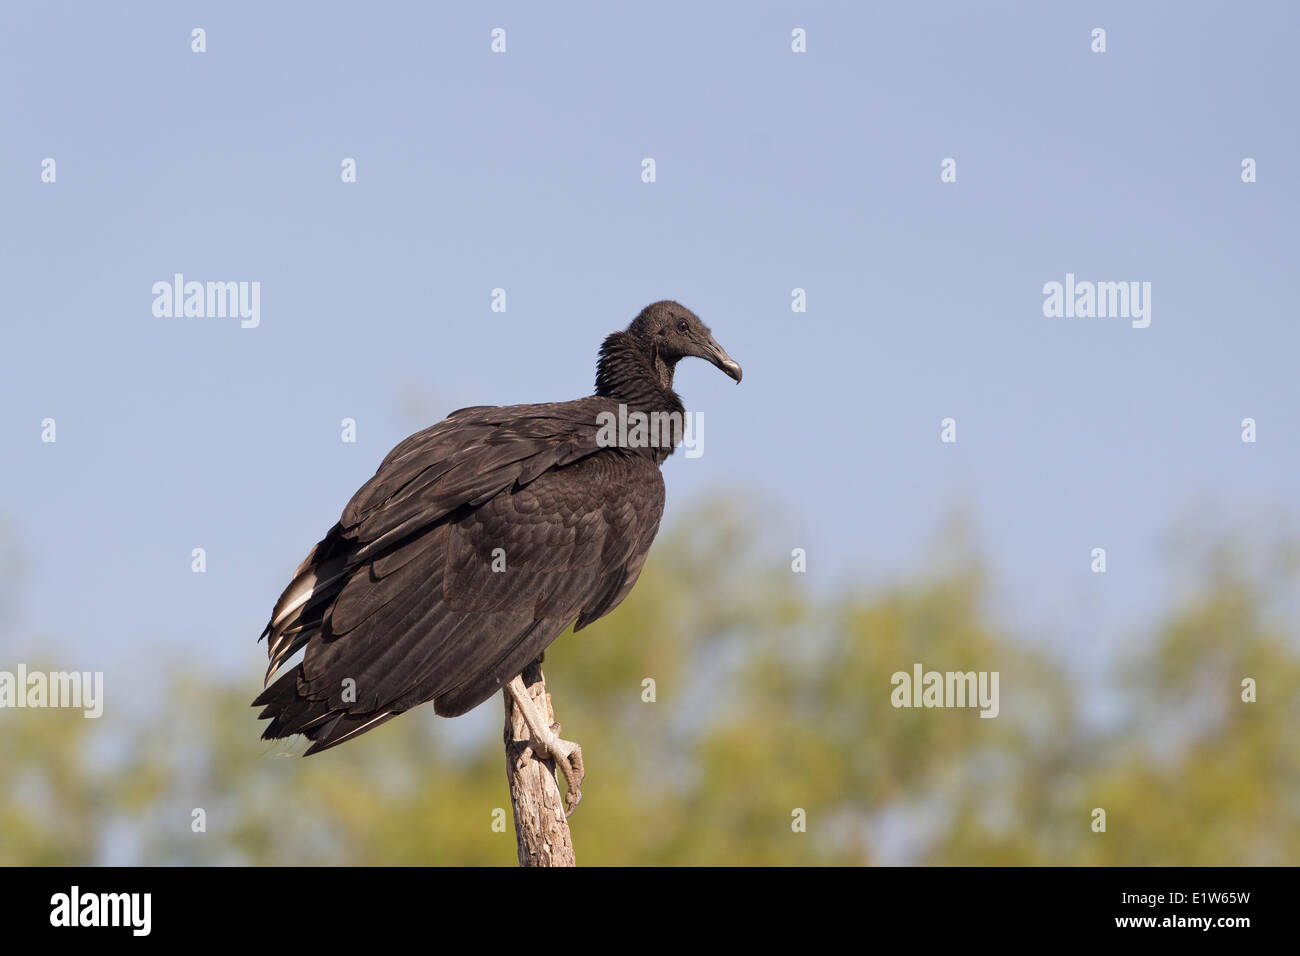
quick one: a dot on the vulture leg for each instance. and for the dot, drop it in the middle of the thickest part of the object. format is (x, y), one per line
(546, 743)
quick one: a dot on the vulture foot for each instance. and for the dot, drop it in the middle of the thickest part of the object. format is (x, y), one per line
(546, 743)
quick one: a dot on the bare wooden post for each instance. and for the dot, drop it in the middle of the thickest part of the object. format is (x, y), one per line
(541, 830)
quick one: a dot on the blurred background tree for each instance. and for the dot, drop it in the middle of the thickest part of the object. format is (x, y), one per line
(768, 699)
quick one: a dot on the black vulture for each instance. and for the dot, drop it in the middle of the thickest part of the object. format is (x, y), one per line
(477, 542)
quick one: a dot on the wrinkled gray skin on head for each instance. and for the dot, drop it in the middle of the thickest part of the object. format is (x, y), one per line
(674, 332)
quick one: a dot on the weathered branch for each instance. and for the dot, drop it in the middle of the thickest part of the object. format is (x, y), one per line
(541, 830)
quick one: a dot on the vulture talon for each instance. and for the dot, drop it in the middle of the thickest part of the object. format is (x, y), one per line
(546, 744)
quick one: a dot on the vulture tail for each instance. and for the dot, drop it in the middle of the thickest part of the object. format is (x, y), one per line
(291, 714)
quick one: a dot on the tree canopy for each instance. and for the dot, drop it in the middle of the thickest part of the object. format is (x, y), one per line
(721, 705)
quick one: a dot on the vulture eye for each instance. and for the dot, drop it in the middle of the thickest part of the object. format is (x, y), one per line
(683, 326)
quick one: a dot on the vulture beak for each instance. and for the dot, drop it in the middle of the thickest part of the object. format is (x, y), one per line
(716, 354)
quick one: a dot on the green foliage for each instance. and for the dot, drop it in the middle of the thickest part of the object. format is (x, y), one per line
(768, 700)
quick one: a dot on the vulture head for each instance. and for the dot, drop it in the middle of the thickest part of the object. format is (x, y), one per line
(669, 331)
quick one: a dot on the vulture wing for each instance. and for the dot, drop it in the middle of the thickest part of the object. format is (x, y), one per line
(475, 544)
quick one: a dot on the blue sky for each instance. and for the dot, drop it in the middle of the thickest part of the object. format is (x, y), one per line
(522, 171)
